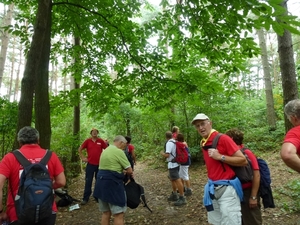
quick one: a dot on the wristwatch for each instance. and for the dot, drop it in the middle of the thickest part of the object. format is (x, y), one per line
(253, 197)
(223, 158)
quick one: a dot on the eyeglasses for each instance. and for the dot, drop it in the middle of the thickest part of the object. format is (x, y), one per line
(201, 124)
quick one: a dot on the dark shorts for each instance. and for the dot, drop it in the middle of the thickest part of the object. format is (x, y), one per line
(174, 173)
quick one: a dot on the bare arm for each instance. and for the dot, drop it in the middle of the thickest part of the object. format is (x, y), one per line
(237, 159)
(3, 215)
(83, 158)
(59, 180)
(254, 189)
(166, 155)
(133, 157)
(290, 157)
(128, 171)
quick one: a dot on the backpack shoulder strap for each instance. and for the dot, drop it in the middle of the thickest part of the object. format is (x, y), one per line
(143, 198)
(46, 157)
(215, 140)
(21, 158)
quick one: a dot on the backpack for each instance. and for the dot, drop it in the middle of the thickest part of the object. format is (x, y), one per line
(181, 156)
(129, 157)
(244, 173)
(35, 196)
(135, 195)
(265, 189)
(65, 198)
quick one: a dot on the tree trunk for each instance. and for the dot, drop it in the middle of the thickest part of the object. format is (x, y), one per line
(76, 123)
(271, 116)
(287, 67)
(16, 93)
(36, 72)
(12, 69)
(42, 105)
(5, 40)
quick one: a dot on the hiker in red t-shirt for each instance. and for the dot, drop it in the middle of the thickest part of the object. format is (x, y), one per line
(223, 192)
(290, 150)
(251, 214)
(10, 169)
(130, 149)
(94, 147)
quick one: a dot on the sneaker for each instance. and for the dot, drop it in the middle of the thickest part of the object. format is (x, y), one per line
(83, 202)
(188, 192)
(181, 201)
(173, 197)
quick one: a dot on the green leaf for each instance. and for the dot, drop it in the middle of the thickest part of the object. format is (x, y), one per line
(278, 28)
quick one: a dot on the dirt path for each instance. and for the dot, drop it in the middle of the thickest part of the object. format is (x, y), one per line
(157, 188)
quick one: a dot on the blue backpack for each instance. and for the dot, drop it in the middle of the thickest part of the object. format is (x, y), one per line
(35, 195)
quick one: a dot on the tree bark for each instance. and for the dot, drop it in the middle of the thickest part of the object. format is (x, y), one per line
(271, 116)
(12, 69)
(287, 67)
(42, 106)
(76, 122)
(5, 41)
(36, 72)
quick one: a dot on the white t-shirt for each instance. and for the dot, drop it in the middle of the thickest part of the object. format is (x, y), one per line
(171, 149)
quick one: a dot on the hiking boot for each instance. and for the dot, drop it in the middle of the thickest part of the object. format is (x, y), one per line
(181, 201)
(83, 202)
(188, 192)
(173, 197)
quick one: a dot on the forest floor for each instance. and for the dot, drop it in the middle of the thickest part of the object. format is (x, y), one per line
(158, 188)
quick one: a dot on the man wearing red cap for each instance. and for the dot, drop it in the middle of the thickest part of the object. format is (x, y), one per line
(94, 147)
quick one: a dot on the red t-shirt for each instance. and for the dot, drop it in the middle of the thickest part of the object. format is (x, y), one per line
(215, 170)
(11, 169)
(130, 148)
(293, 136)
(94, 150)
(254, 164)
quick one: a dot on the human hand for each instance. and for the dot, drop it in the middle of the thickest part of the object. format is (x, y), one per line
(3, 217)
(84, 159)
(214, 153)
(252, 203)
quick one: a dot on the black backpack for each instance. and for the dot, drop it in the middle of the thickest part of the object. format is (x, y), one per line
(65, 198)
(35, 196)
(135, 195)
(244, 173)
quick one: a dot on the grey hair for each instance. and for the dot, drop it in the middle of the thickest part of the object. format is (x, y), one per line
(120, 138)
(28, 135)
(292, 108)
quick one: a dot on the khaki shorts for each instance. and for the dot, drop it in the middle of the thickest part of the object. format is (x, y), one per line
(115, 209)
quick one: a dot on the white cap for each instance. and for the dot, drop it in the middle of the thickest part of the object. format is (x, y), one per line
(200, 116)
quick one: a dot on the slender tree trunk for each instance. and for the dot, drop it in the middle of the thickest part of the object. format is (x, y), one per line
(287, 67)
(271, 116)
(36, 69)
(16, 93)
(5, 40)
(12, 69)
(76, 122)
